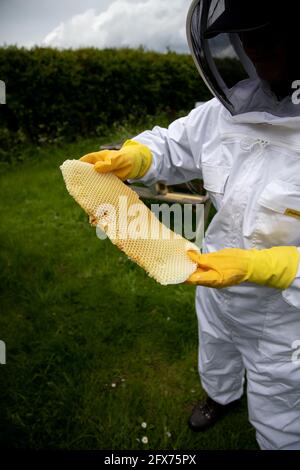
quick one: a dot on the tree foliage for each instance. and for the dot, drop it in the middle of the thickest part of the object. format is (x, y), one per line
(54, 95)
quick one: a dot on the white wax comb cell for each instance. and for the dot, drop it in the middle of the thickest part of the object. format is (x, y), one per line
(158, 250)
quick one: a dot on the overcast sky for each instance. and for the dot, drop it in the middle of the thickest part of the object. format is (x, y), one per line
(155, 24)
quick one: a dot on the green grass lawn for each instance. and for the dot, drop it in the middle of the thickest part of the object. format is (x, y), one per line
(95, 347)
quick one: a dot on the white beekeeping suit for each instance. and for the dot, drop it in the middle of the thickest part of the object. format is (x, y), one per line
(245, 144)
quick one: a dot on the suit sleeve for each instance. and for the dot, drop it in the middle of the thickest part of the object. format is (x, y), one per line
(176, 150)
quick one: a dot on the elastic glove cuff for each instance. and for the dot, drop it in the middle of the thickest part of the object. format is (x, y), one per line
(142, 159)
(274, 267)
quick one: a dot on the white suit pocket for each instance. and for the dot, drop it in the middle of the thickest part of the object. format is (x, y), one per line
(278, 215)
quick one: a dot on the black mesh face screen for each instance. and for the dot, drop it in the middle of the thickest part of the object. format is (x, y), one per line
(216, 57)
(227, 65)
(215, 12)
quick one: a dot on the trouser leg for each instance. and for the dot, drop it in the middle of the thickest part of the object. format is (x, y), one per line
(273, 378)
(274, 402)
(220, 363)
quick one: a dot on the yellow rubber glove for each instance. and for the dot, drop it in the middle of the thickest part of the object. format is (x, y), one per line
(273, 267)
(132, 161)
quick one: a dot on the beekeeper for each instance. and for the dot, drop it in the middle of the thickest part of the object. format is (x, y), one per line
(245, 145)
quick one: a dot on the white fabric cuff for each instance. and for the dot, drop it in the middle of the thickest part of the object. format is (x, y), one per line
(292, 294)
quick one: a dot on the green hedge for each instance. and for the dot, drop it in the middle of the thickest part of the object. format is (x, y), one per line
(56, 95)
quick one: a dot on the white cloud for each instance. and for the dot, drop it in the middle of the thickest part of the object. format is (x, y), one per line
(155, 24)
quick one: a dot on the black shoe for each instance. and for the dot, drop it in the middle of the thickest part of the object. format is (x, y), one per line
(207, 413)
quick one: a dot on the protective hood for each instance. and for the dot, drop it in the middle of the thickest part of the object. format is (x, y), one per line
(214, 29)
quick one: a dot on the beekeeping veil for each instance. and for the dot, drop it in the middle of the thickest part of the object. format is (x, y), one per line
(214, 28)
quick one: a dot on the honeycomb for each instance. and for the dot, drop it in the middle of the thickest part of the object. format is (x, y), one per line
(145, 240)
